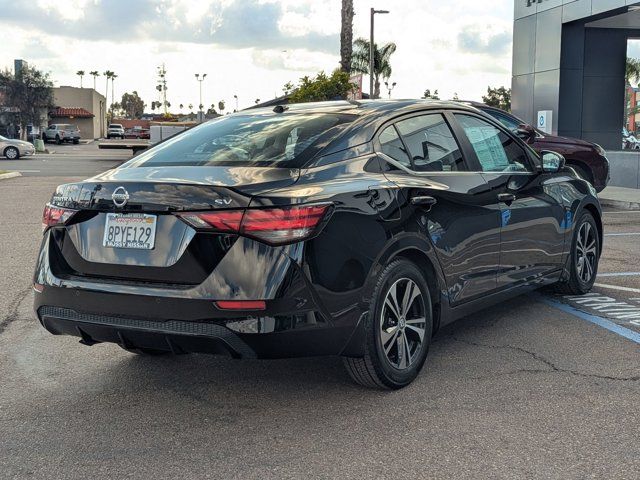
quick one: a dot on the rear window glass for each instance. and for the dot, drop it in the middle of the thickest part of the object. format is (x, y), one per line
(115, 125)
(274, 140)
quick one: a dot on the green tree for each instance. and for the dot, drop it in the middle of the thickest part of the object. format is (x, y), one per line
(381, 61)
(30, 92)
(498, 97)
(322, 88)
(632, 76)
(632, 71)
(346, 35)
(433, 96)
(132, 104)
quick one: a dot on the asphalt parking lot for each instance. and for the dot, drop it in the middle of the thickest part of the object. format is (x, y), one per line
(539, 387)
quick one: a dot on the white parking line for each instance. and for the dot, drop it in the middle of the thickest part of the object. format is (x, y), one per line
(616, 287)
(632, 234)
(620, 274)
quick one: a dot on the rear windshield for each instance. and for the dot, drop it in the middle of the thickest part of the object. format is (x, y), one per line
(282, 140)
(115, 125)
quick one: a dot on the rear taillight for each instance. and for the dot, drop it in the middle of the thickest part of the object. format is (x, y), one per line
(53, 216)
(275, 226)
(241, 304)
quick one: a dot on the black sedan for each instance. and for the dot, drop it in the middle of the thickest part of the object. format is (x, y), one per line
(350, 229)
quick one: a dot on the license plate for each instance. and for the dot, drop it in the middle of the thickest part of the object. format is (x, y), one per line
(130, 230)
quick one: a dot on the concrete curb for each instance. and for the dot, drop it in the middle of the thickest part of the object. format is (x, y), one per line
(619, 204)
(5, 176)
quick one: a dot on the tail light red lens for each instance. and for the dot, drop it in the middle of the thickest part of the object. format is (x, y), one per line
(275, 226)
(53, 216)
(241, 304)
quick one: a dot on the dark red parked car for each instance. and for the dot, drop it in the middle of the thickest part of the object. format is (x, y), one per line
(589, 160)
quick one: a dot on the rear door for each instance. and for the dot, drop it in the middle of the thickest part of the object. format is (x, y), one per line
(424, 159)
(533, 219)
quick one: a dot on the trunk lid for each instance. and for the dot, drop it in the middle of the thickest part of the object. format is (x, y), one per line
(181, 256)
(165, 189)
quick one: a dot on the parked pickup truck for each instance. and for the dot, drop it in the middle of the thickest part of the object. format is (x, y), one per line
(61, 132)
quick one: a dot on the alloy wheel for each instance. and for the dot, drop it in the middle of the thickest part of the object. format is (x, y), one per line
(586, 252)
(403, 323)
(11, 153)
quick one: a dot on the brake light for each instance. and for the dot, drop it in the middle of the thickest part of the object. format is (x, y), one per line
(53, 216)
(275, 226)
(241, 304)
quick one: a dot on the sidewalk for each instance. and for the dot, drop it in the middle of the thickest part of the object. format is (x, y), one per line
(620, 197)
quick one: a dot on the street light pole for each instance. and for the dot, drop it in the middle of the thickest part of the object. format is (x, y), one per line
(372, 50)
(236, 97)
(200, 80)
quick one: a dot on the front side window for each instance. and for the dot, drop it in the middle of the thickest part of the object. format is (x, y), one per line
(260, 140)
(431, 144)
(496, 151)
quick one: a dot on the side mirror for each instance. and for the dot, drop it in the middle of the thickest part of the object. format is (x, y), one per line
(552, 162)
(526, 132)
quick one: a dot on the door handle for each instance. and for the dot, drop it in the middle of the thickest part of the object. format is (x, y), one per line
(507, 198)
(423, 201)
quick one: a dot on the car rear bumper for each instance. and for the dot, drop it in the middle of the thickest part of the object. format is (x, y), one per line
(278, 336)
(295, 323)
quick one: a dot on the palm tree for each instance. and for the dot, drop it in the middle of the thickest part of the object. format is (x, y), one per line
(221, 106)
(190, 108)
(381, 61)
(181, 107)
(113, 98)
(346, 36)
(95, 74)
(632, 71)
(80, 73)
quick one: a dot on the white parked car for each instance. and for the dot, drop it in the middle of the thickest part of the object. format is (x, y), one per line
(62, 132)
(14, 149)
(115, 130)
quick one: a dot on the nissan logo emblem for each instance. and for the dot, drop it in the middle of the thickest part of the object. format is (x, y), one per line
(120, 197)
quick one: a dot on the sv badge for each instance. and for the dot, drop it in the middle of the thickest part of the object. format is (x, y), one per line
(223, 201)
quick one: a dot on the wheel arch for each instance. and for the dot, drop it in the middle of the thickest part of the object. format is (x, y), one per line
(573, 162)
(425, 264)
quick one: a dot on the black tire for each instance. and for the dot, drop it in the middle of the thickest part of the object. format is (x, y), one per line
(76, 142)
(577, 284)
(150, 352)
(58, 141)
(11, 153)
(377, 369)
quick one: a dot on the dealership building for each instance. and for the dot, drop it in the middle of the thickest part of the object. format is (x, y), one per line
(569, 61)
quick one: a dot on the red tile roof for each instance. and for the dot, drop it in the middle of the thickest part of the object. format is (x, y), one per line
(71, 112)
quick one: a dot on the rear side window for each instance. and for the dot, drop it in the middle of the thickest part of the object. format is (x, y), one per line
(391, 145)
(431, 144)
(496, 151)
(263, 140)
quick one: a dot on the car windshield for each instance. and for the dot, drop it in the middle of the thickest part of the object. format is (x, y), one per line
(3, 138)
(115, 125)
(282, 140)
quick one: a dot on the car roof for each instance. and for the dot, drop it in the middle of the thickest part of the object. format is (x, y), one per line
(361, 107)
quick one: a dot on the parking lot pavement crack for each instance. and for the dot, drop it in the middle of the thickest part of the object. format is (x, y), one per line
(13, 309)
(552, 368)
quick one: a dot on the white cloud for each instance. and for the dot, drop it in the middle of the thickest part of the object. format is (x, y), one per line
(455, 46)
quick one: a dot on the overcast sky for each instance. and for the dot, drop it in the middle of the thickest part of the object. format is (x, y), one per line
(253, 47)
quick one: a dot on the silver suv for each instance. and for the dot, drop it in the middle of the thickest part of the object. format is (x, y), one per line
(62, 132)
(115, 130)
